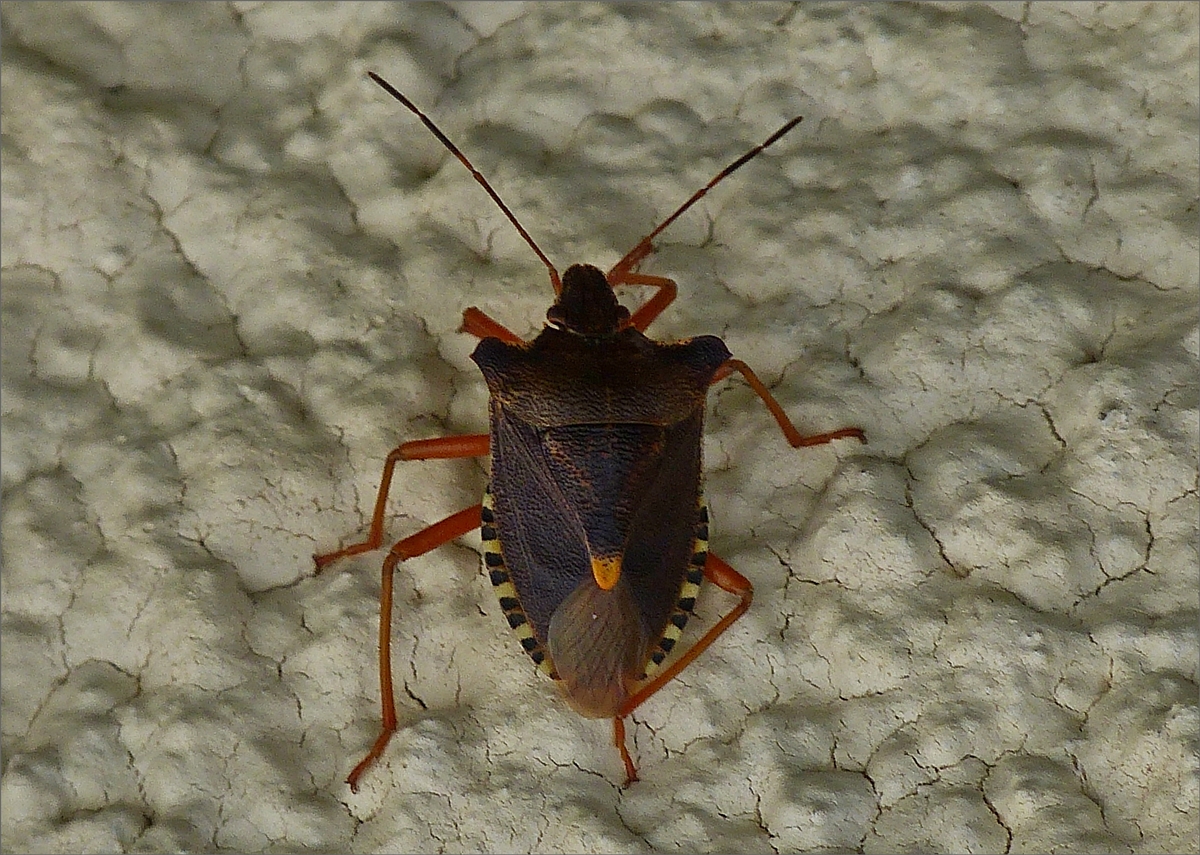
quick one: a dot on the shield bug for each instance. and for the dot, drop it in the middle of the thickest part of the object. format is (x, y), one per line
(594, 523)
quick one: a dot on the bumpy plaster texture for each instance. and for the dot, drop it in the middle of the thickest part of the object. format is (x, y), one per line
(233, 271)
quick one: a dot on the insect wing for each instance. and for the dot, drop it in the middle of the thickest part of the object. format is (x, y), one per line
(542, 537)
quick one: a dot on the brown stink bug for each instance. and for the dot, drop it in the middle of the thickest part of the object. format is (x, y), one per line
(594, 524)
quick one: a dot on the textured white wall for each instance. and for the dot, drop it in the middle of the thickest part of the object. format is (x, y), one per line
(233, 270)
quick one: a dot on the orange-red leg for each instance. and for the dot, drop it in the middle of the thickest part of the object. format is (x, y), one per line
(456, 525)
(653, 307)
(794, 437)
(471, 445)
(426, 539)
(632, 259)
(480, 325)
(446, 447)
(727, 579)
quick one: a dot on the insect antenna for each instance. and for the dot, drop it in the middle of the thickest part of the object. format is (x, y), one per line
(395, 93)
(644, 246)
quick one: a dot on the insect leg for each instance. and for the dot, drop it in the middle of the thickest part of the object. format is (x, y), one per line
(471, 445)
(444, 447)
(794, 437)
(631, 774)
(727, 579)
(480, 325)
(653, 307)
(455, 525)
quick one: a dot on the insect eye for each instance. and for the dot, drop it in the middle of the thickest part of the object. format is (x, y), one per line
(555, 318)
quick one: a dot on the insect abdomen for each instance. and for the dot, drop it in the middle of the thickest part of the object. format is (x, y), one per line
(510, 601)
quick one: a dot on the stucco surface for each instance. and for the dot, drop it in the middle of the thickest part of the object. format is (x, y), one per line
(233, 273)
